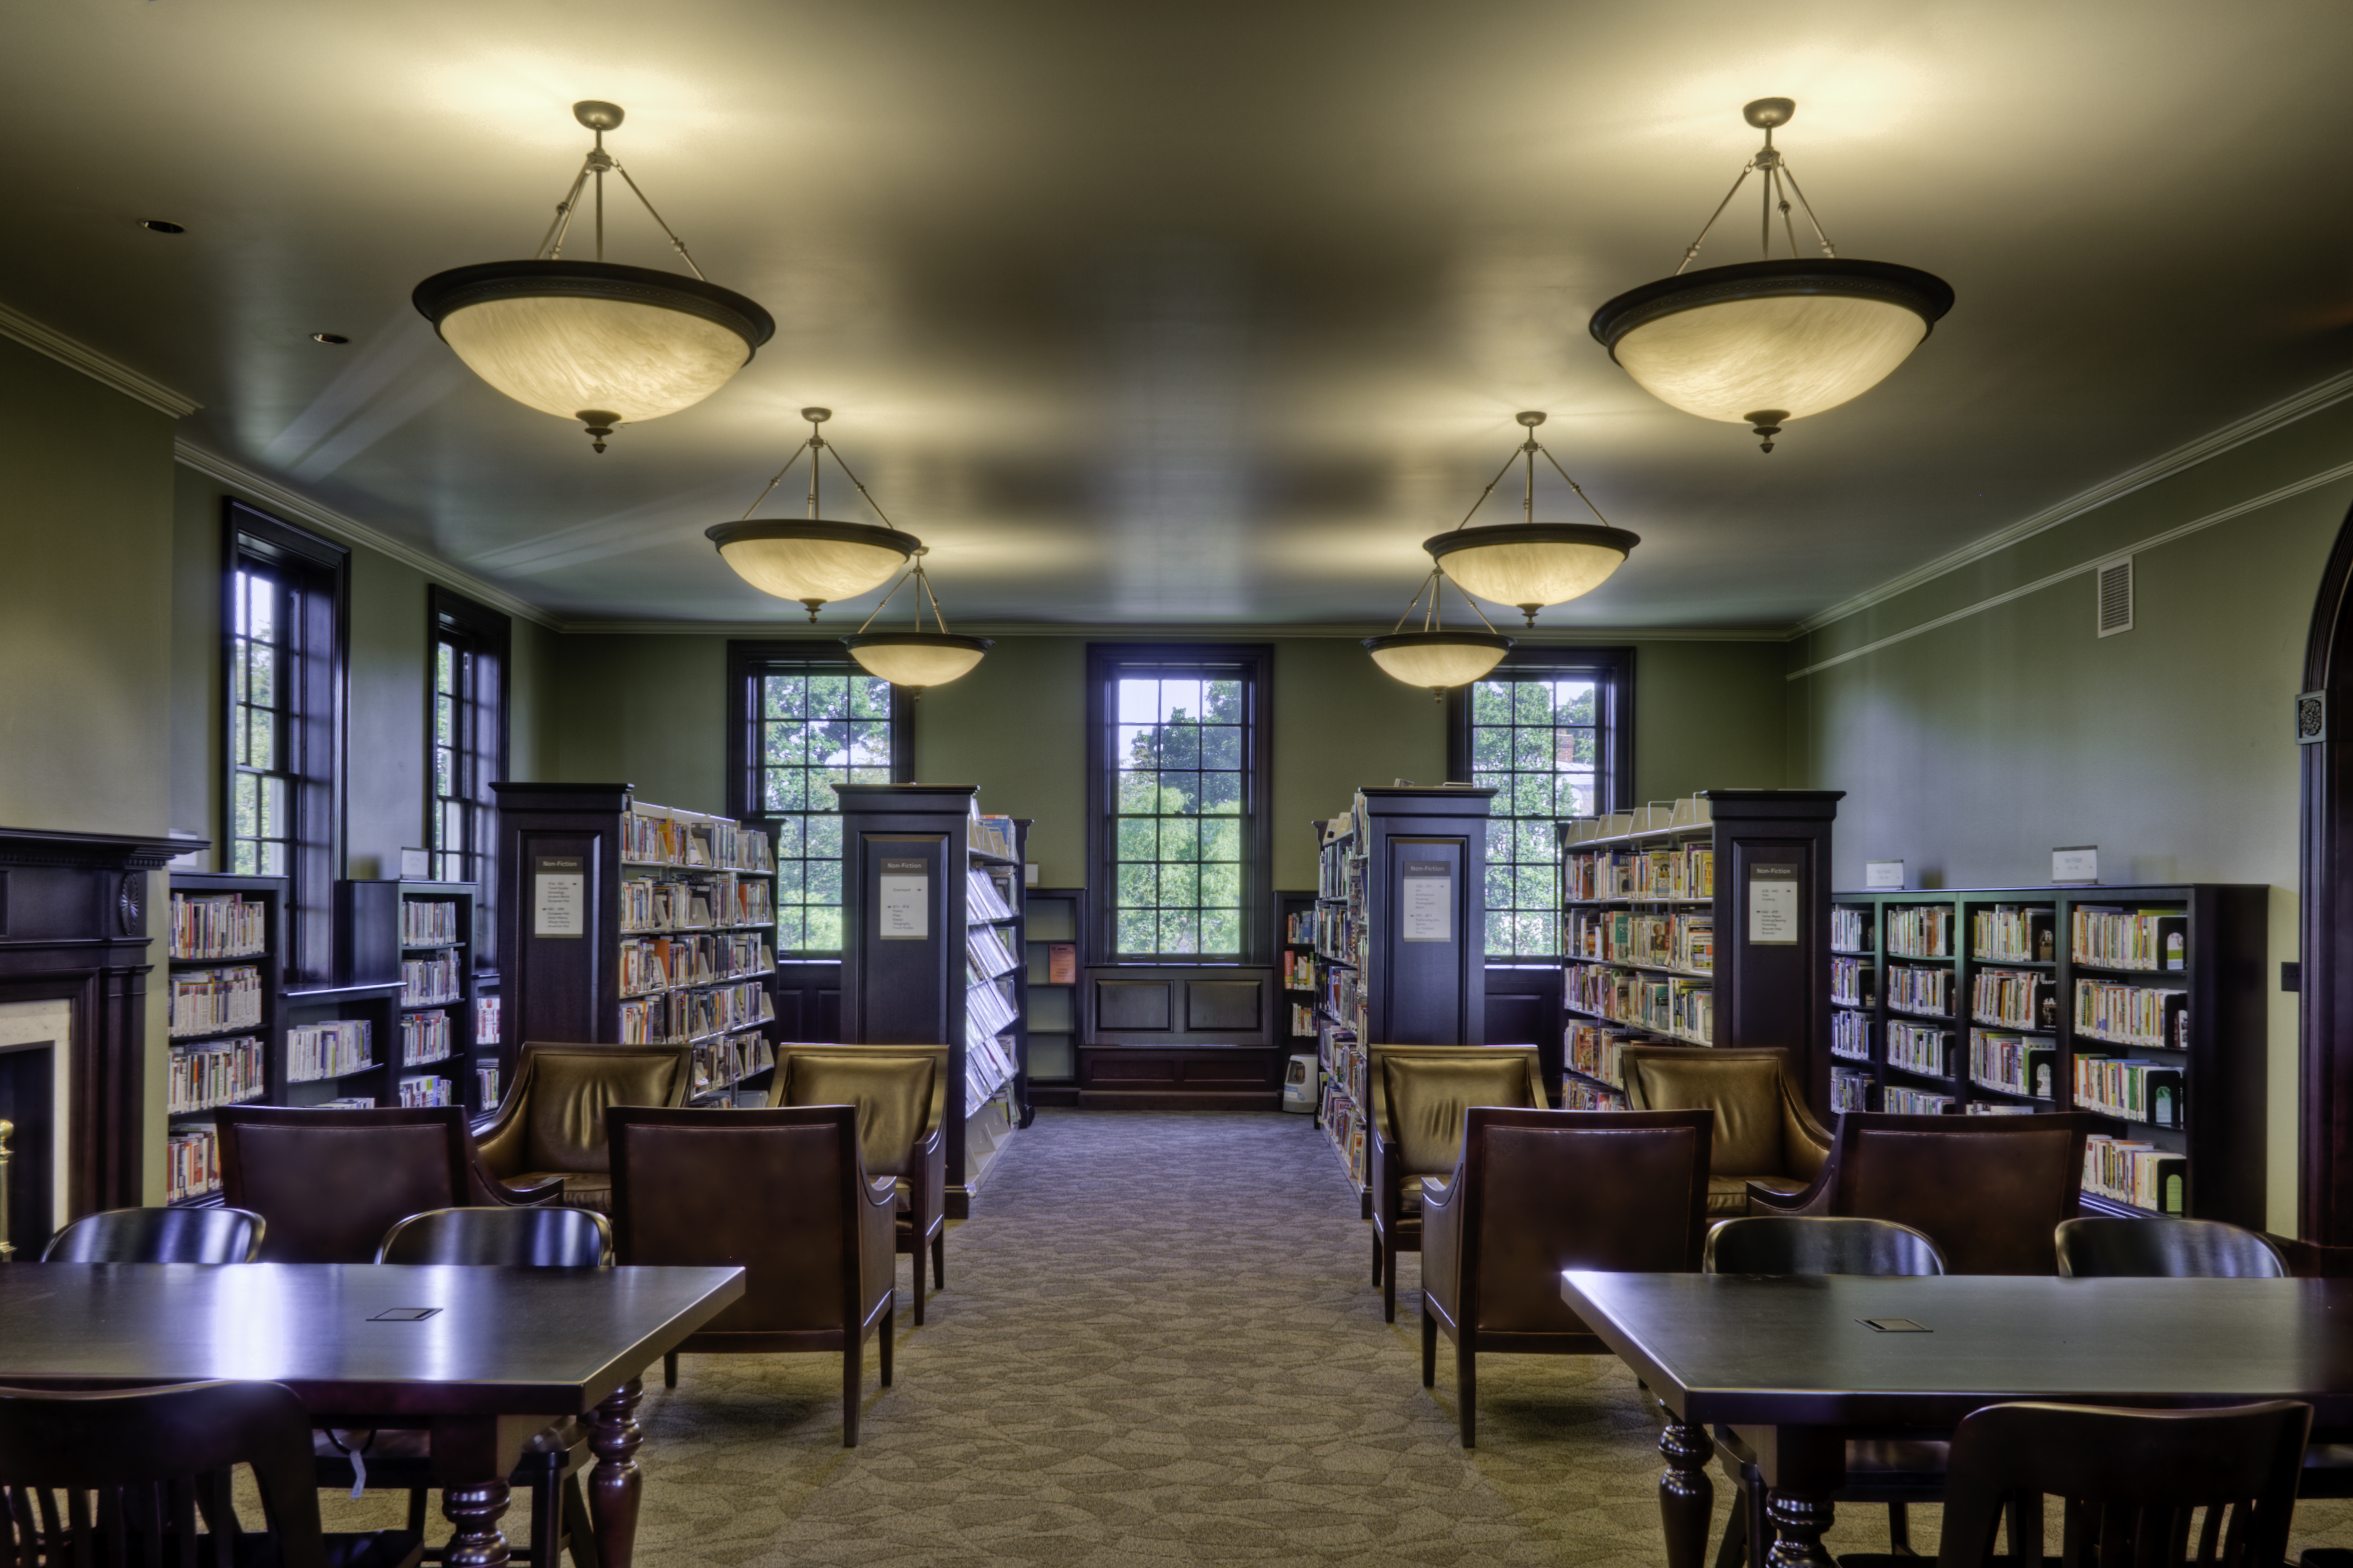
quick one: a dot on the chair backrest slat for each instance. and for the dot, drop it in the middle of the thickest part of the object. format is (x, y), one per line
(2165, 1248)
(159, 1236)
(505, 1238)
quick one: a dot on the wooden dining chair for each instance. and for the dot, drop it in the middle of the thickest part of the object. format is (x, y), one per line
(2153, 1489)
(142, 1476)
(2103, 1248)
(159, 1236)
(783, 1195)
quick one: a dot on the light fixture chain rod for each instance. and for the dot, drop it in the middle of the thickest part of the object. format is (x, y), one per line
(1488, 492)
(816, 462)
(1411, 603)
(884, 605)
(1691, 254)
(1577, 487)
(773, 482)
(675, 243)
(600, 207)
(560, 225)
(1786, 222)
(1828, 248)
(938, 619)
(1474, 604)
(860, 486)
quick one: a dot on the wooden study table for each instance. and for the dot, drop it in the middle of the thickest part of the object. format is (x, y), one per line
(1792, 1357)
(503, 1352)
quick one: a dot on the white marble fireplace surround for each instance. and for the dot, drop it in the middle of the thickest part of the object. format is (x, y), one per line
(38, 1025)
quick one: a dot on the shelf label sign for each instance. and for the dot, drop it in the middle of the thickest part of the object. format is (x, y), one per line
(904, 910)
(559, 896)
(1425, 913)
(1774, 916)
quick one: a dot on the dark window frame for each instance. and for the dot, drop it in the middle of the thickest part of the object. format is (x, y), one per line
(481, 635)
(1104, 660)
(1612, 669)
(317, 572)
(747, 661)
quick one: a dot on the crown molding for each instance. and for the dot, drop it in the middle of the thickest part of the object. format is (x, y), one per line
(350, 531)
(113, 373)
(1131, 631)
(2213, 444)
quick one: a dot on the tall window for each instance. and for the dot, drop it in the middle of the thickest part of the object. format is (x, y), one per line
(466, 744)
(284, 650)
(1549, 732)
(802, 722)
(1178, 778)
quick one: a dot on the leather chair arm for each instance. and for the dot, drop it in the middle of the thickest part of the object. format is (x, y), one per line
(496, 1194)
(877, 1223)
(929, 1191)
(1442, 1241)
(1814, 1200)
(1381, 1179)
(499, 1147)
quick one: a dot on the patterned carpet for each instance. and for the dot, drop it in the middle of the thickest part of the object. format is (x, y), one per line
(1159, 1345)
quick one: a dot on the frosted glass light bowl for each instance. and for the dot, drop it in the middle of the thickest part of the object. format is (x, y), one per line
(1768, 342)
(1530, 566)
(812, 561)
(1438, 660)
(919, 659)
(594, 341)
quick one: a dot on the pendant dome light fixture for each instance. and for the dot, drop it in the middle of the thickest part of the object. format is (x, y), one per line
(1433, 657)
(594, 341)
(811, 559)
(1763, 343)
(1530, 564)
(916, 660)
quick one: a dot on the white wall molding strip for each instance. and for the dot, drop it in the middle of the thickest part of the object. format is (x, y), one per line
(2237, 433)
(113, 373)
(1144, 631)
(350, 531)
(2182, 531)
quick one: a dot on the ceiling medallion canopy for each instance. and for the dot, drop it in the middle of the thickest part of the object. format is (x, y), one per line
(811, 559)
(917, 659)
(594, 341)
(1763, 343)
(1530, 564)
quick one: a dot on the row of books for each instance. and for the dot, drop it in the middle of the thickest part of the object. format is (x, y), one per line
(1337, 933)
(1667, 871)
(2014, 998)
(2132, 1014)
(988, 951)
(425, 1038)
(223, 1073)
(486, 1021)
(1922, 1049)
(1299, 929)
(2136, 1091)
(1849, 1090)
(988, 1066)
(730, 1061)
(1593, 1049)
(1299, 971)
(428, 922)
(429, 982)
(1303, 1019)
(1678, 940)
(1663, 1004)
(314, 1051)
(2019, 932)
(677, 1016)
(218, 925)
(665, 904)
(487, 1078)
(652, 839)
(1897, 1100)
(213, 1001)
(2130, 939)
(191, 1164)
(1850, 1036)
(1853, 983)
(982, 899)
(427, 1091)
(989, 834)
(650, 964)
(1341, 996)
(1576, 1094)
(1340, 874)
(1916, 990)
(1850, 929)
(2134, 1173)
(1920, 930)
(987, 1010)
(2013, 1063)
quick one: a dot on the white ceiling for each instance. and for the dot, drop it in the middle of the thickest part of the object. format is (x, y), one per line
(1198, 313)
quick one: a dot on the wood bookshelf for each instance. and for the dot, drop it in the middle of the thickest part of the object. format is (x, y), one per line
(210, 1065)
(2197, 1106)
(1053, 918)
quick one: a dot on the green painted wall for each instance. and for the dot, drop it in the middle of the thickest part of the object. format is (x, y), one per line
(649, 711)
(1970, 749)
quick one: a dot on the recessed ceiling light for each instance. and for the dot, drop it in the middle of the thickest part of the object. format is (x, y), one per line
(328, 338)
(163, 225)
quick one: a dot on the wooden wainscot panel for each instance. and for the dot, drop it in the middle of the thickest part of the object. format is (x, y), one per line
(1236, 1005)
(1127, 1005)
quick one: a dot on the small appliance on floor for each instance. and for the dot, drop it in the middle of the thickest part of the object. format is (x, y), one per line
(1299, 1086)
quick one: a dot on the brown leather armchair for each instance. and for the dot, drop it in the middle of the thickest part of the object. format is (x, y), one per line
(1764, 1136)
(1988, 1190)
(1541, 1191)
(329, 1182)
(901, 1093)
(780, 1194)
(549, 1128)
(1418, 1094)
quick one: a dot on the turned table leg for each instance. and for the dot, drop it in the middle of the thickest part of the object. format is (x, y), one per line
(475, 1511)
(1686, 1495)
(1800, 1520)
(615, 1483)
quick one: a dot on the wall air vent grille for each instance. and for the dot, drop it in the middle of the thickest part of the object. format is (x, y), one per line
(2116, 597)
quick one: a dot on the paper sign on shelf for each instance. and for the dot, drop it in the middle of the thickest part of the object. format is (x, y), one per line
(903, 908)
(559, 896)
(1883, 873)
(1775, 914)
(2076, 863)
(1426, 913)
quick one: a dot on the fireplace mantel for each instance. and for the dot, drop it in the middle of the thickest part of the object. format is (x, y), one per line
(74, 922)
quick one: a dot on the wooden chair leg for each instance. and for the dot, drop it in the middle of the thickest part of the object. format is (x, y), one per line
(1733, 1552)
(670, 1370)
(940, 1258)
(919, 1294)
(888, 1313)
(1377, 1255)
(1754, 1521)
(1899, 1530)
(579, 1534)
(547, 1511)
(1388, 1286)
(1466, 1386)
(853, 1360)
(1429, 1345)
(416, 1511)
